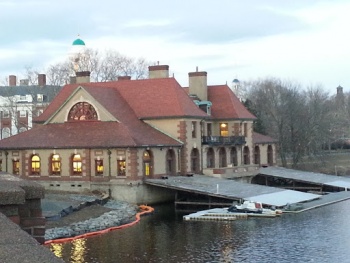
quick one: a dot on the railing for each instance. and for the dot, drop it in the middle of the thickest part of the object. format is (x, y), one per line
(223, 140)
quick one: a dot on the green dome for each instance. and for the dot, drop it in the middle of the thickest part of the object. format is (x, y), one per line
(78, 42)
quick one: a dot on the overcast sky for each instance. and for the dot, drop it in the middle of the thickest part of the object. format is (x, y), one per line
(303, 41)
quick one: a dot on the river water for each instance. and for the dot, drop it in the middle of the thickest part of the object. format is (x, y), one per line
(319, 235)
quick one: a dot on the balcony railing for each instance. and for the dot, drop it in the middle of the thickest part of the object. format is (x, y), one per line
(223, 140)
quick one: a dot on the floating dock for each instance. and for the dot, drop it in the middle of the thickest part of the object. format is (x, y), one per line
(222, 214)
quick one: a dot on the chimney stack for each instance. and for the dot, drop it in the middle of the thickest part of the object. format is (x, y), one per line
(158, 71)
(12, 80)
(198, 84)
(83, 77)
(41, 80)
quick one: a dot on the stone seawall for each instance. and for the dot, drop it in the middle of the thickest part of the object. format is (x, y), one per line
(20, 202)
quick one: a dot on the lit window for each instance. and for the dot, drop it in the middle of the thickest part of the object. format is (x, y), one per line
(223, 129)
(55, 164)
(35, 164)
(99, 167)
(121, 167)
(15, 167)
(77, 164)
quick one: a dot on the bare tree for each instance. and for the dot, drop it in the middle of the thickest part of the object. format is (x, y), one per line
(298, 119)
(107, 66)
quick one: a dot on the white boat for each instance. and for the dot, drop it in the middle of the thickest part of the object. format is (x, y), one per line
(252, 207)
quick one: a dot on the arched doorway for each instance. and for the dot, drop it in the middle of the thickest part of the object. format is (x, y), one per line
(246, 155)
(222, 157)
(234, 159)
(270, 155)
(257, 155)
(147, 163)
(195, 161)
(210, 158)
(170, 162)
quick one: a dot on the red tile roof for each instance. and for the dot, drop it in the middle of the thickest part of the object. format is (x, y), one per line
(260, 138)
(88, 134)
(226, 105)
(148, 98)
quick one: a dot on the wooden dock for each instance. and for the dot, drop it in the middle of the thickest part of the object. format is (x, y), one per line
(223, 192)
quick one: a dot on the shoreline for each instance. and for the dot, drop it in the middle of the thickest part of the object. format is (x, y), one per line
(71, 215)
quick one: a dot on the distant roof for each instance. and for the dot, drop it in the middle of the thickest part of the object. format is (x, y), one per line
(78, 42)
(260, 138)
(49, 91)
(235, 81)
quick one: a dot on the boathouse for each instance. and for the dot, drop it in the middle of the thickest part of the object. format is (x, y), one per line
(110, 136)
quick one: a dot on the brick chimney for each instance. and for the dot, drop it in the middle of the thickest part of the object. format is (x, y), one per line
(124, 78)
(198, 84)
(83, 77)
(12, 80)
(41, 80)
(158, 71)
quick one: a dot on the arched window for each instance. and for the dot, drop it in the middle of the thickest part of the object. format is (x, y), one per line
(76, 164)
(257, 155)
(35, 167)
(15, 166)
(234, 159)
(246, 155)
(147, 163)
(270, 155)
(222, 157)
(55, 164)
(82, 111)
(210, 158)
(170, 162)
(195, 161)
(99, 167)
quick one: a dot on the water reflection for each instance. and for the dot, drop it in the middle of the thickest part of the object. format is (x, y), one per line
(320, 235)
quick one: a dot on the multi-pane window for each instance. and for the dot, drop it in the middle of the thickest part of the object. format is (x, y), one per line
(121, 167)
(35, 167)
(99, 167)
(223, 129)
(82, 111)
(76, 164)
(55, 164)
